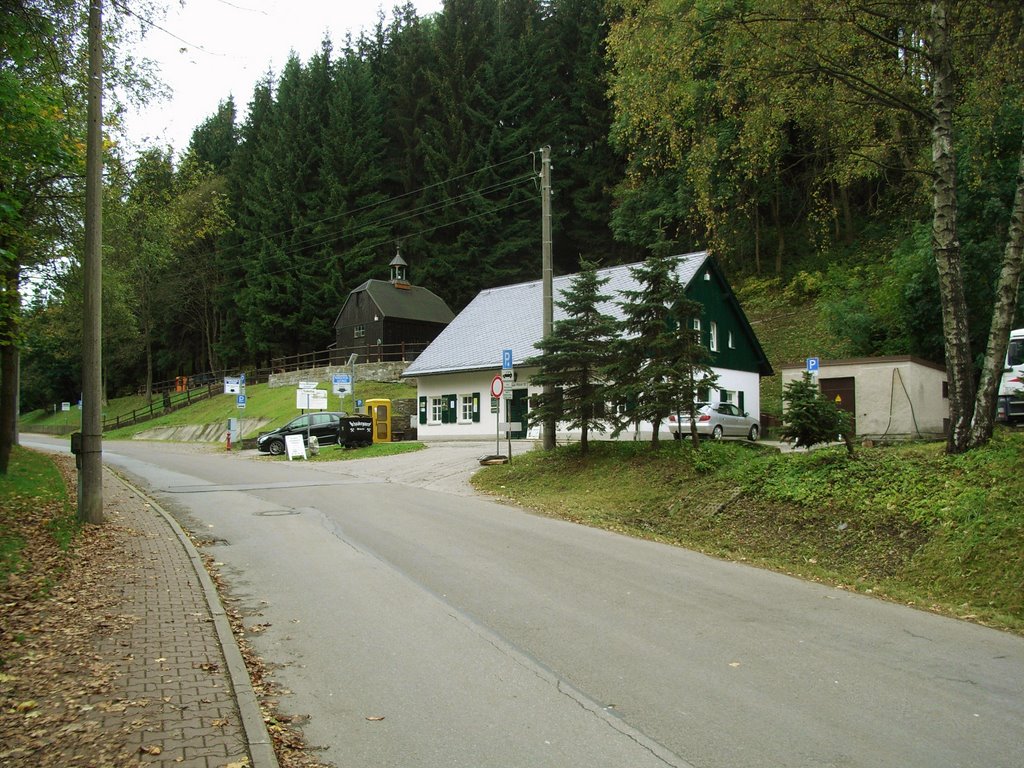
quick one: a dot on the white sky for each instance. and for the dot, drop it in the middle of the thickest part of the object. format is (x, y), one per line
(218, 48)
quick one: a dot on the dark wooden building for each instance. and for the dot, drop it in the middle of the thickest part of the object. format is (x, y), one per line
(389, 320)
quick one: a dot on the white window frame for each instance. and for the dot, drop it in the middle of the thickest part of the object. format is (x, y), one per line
(726, 396)
(359, 332)
(436, 406)
(713, 339)
(732, 341)
(696, 324)
(465, 409)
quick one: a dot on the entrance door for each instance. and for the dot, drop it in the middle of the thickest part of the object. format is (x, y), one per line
(843, 388)
(519, 410)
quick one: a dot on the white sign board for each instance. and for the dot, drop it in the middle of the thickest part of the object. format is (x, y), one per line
(307, 384)
(295, 446)
(65, 406)
(232, 385)
(311, 399)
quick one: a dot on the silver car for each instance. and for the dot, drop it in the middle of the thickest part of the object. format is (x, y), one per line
(716, 422)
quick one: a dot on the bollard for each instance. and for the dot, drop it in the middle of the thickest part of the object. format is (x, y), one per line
(229, 440)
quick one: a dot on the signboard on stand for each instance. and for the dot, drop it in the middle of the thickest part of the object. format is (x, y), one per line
(295, 446)
(311, 399)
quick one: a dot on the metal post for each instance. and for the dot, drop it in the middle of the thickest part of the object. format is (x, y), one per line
(547, 280)
(90, 508)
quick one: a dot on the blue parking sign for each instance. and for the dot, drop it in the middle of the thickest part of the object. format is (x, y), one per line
(506, 359)
(813, 364)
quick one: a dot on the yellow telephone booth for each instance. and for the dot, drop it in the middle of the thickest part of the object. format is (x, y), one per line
(380, 412)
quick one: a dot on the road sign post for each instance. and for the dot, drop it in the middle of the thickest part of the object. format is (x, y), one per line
(497, 389)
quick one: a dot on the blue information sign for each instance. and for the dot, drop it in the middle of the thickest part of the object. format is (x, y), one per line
(813, 364)
(506, 358)
(241, 401)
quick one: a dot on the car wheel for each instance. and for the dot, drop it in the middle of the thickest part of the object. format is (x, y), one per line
(276, 447)
(716, 433)
(754, 433)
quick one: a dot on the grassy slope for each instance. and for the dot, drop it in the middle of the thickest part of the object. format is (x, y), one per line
(263, 402)
(906, 522)
(790, 329)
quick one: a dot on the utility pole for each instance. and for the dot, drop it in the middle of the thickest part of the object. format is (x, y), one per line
(90, 476)
(549, 308)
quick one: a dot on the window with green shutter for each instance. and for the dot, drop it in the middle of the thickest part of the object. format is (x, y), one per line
(423, 410)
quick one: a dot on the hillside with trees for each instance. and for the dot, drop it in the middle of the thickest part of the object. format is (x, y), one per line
(864, 159)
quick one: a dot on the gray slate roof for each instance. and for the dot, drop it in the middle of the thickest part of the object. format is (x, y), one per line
(511, 318)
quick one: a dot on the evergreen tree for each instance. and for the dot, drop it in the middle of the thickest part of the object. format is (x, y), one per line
(576, 121)
(651, 371)
(574, 357)
(811, 418)
(354, 232)
(215, 140)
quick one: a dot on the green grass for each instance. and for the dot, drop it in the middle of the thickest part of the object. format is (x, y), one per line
(905, 522)
(32, 484)
(338, 453)
(276, 404)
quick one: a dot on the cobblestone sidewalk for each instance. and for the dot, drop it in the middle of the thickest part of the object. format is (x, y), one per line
(181, 690)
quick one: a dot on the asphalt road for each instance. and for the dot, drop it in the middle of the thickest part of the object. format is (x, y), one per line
(485, 635)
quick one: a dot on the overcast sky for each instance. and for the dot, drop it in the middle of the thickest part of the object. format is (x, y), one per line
(210, 49)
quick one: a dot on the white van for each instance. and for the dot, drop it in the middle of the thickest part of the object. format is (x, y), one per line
(1011, 386)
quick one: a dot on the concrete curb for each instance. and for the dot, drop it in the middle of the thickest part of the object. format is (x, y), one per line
(261, 748)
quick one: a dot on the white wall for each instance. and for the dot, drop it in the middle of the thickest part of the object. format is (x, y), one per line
(467, 384)
(896, 398)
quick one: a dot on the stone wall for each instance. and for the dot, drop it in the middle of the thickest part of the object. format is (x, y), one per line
(391, 372)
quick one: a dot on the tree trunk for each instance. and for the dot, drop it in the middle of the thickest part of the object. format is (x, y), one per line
(757, 241)
(780, 235)
(945, 241)
(9, 312)
(1002, 318)
(844, 196)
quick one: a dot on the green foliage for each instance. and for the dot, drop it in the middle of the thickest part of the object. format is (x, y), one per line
(810, 418)
(659, 360)
(574, 359)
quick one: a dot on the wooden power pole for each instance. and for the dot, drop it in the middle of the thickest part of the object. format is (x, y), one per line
(90, 476)
(547, 279)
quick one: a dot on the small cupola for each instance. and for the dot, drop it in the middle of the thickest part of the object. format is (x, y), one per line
(398, 270)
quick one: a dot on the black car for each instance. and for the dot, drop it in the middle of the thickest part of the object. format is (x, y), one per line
(324, 425)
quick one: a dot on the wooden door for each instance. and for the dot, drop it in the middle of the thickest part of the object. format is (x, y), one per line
(843, 392)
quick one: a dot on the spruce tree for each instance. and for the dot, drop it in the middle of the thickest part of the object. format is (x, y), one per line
(574, 358)
(659, 363)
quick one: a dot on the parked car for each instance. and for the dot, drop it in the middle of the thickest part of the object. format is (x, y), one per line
(716, 422)
(324, 425)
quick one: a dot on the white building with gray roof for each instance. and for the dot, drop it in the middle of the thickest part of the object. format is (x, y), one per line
(454, 374)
